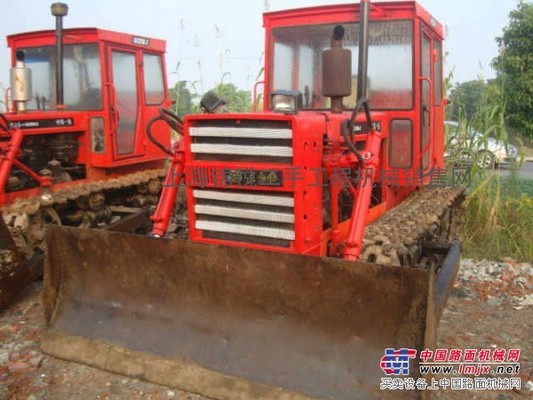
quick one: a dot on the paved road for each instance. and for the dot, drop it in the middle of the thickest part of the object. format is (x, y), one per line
(525, 172)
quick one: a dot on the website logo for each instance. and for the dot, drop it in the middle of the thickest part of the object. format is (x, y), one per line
(396, 362)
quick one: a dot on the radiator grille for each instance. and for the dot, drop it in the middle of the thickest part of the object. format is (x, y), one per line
(249, 216)
(248, 141)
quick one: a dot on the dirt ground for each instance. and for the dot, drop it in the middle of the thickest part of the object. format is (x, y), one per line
(491, 306)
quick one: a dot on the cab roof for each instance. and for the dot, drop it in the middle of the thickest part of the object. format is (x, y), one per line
(85, 35)
(338, 13)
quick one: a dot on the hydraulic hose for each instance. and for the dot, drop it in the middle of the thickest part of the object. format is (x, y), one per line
(347, 128)
(360, 104)
(172, 120)
(345, 132)
(152, 138)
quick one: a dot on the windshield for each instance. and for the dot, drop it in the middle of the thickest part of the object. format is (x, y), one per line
(82, 77)
(297, 62)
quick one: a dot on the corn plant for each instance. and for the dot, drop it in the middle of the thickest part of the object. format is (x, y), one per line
(498, 218)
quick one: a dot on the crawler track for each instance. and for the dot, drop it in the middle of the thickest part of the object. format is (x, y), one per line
(22, 240)
(62, 196)
(427, 216)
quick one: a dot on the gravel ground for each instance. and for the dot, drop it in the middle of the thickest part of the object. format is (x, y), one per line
(490, 307)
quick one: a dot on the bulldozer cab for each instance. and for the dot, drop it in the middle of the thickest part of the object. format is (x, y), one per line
(404, 75)
(112, 82)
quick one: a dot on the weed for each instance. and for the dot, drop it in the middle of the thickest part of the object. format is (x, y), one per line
(498, 220)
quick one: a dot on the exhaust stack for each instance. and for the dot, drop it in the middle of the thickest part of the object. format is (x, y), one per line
(20, 83)
(337, 64)
(59, 10)
(337, 71)
(362, 67)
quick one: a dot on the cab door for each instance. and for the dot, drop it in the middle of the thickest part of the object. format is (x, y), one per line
(426, 106)
(125, 107)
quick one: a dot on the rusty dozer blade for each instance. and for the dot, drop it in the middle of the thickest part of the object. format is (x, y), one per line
(233, 323)
(15, 272)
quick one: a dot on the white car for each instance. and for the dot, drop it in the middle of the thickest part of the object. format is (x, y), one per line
(487, 152)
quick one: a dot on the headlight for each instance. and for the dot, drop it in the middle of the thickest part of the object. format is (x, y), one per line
(285, 101)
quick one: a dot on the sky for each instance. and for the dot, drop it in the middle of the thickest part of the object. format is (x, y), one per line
(209, 41)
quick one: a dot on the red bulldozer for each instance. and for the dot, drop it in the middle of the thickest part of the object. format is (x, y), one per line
(73, 146)
(319, 231)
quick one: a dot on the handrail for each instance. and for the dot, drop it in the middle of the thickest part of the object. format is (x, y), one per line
(431, 112)
(255, 94)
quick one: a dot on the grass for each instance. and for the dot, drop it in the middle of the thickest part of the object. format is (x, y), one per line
(498, 220)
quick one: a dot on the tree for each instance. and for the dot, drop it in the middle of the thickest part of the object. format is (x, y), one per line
(513, 65)
(182, 98)
(465, 99)
(236, 100)
(479, 102)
